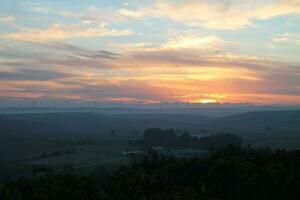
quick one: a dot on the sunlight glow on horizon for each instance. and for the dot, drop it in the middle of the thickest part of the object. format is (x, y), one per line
(207, 101)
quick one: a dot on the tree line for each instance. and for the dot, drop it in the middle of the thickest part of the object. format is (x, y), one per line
(168, 139)
(229, 173)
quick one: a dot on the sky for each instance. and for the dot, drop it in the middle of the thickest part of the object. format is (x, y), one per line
(224, 51)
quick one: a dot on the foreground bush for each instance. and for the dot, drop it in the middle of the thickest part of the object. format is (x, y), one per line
(228, 174)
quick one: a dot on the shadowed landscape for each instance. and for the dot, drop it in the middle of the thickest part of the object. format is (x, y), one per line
(90, 140)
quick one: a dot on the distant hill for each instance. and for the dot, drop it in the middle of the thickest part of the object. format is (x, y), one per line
(260, 119)
(8, 125)
(93, 122)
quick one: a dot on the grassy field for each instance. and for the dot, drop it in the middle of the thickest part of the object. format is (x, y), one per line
(20, 155)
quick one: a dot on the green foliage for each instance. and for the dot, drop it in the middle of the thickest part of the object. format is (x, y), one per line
(69, 169)
(5, 175)
(230, 173)
(48, 186)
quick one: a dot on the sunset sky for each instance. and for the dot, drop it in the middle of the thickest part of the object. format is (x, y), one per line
(227, 51)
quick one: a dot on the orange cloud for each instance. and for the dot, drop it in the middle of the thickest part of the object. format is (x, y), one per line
(184, 68)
